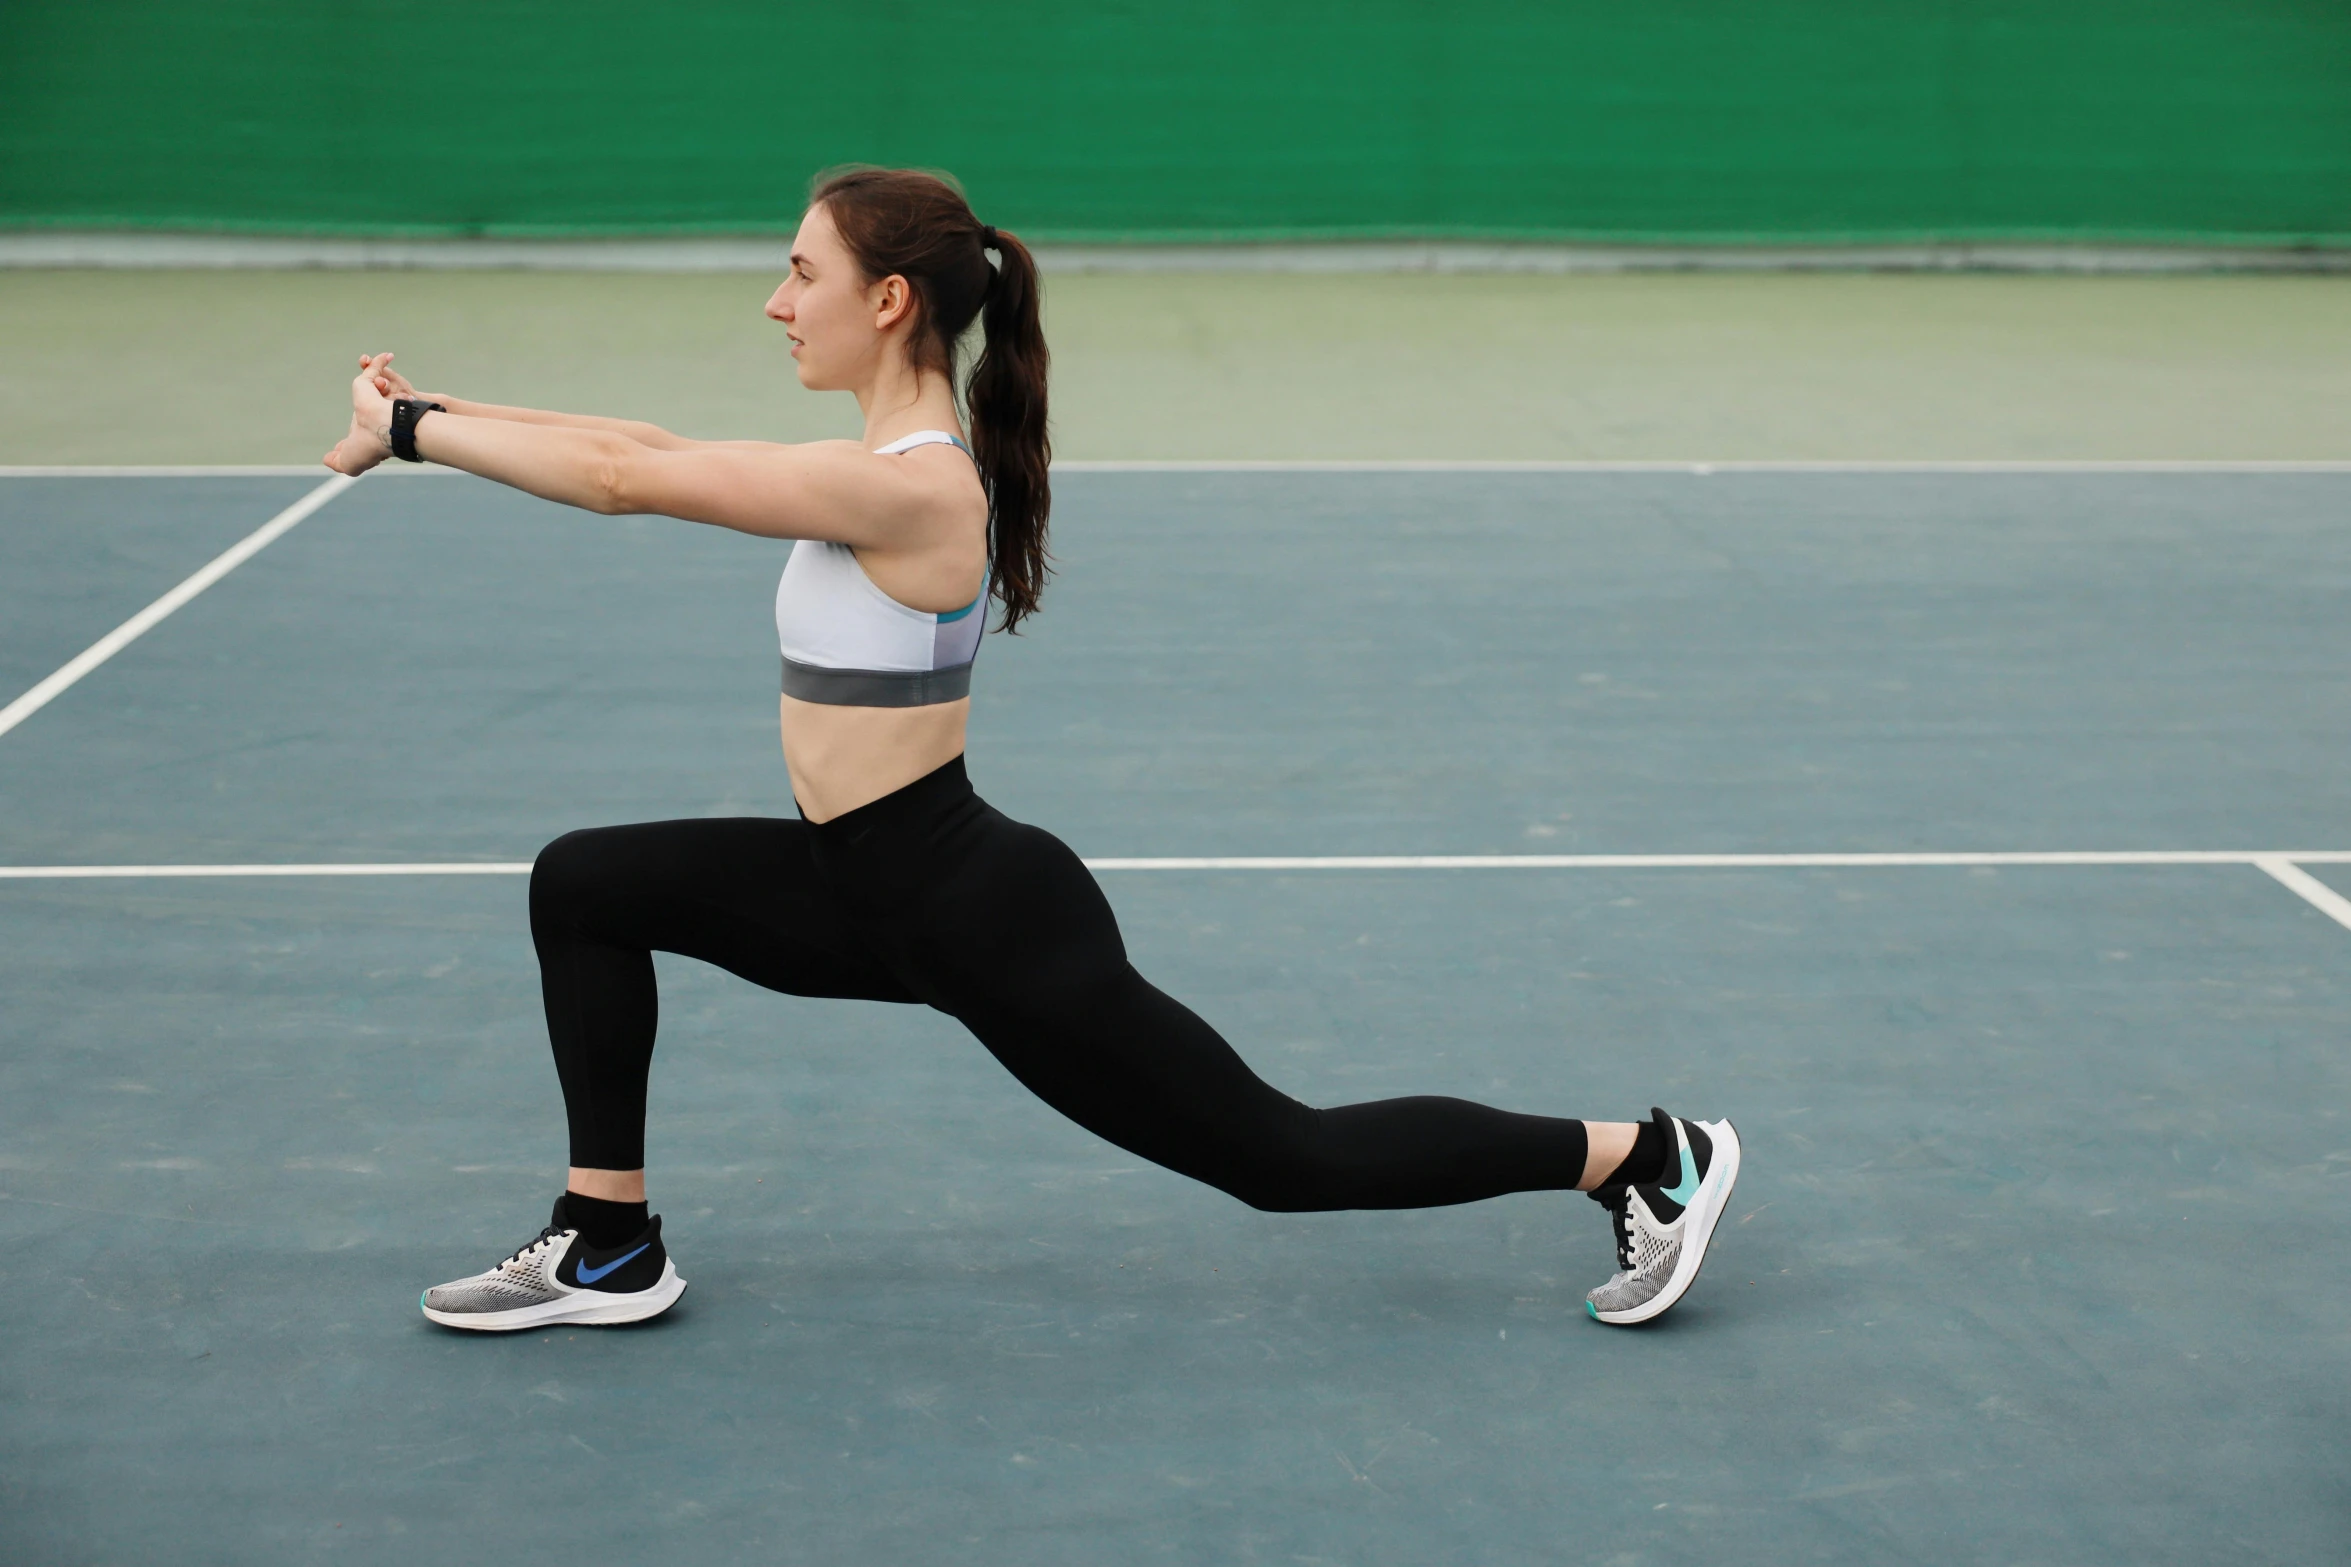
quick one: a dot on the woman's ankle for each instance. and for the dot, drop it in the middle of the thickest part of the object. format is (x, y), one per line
(607, 1185)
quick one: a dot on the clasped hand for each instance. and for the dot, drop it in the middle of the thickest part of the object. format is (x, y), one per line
(369, 440)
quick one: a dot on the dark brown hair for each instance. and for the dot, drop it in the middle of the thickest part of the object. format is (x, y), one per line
(916, 225)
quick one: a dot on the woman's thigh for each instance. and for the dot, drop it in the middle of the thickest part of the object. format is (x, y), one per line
(742, 893)
(1042, 978)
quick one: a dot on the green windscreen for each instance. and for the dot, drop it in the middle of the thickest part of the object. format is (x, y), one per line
(1706, 121)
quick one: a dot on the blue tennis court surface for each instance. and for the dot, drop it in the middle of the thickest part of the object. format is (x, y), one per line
(2039, 1255)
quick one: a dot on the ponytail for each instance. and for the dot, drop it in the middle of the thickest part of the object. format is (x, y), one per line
(1006, 396)
(916, 225)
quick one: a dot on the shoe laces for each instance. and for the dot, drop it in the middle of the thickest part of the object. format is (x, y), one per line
(1618, 1201)
(546, 1238)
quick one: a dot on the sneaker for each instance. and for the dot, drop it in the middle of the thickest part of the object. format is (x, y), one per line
(560, 1279)
(1662, 1230)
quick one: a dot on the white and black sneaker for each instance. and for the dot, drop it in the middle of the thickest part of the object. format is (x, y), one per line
(1662, 1230)
(558, 1278)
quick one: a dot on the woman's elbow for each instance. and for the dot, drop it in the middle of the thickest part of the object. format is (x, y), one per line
(613, 480)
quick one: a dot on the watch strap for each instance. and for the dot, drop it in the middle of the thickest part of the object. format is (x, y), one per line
(405, 412)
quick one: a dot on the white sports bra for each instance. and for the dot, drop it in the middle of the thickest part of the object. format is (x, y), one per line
(848, 644)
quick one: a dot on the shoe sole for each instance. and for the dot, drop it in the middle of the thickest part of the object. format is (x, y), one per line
(582, 1308)
(1699, 1222)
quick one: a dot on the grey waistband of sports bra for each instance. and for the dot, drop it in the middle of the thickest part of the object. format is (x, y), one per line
(875, 687)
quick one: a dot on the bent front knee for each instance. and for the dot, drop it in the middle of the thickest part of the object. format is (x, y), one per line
(569, 872)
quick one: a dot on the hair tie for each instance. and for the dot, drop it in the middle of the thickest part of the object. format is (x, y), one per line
(989, 238)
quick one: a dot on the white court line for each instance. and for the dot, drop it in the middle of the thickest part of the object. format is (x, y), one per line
(160, 471)
(2317, 893)
(145, 620)
(1709, 862)
(2281, 867)
(1341, 862)
(1696, 466)
(309, 470)
(1702, 468)
(409, 868)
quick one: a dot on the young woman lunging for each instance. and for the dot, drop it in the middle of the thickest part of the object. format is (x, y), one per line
(898, 883)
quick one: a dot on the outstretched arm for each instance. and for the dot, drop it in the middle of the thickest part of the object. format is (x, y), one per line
(822, 490)
(393, 384)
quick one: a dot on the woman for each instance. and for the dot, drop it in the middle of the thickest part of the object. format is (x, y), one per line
(898, 883)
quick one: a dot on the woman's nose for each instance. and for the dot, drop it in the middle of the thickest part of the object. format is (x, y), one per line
(778, 308)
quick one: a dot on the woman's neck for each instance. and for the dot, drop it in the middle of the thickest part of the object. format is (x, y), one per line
(901, 401)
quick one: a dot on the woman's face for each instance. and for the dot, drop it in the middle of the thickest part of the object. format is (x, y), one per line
(837, 321)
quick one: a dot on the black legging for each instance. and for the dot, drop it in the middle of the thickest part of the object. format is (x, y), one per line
(931, 895)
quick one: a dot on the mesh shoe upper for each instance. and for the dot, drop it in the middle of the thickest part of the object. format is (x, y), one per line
(524, 1279)
(1647, 1252)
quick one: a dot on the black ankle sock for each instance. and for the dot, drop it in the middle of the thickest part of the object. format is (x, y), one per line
(602, 1224)
(1645, 1165)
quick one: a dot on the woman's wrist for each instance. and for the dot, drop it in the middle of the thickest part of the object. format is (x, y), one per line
(408, 415)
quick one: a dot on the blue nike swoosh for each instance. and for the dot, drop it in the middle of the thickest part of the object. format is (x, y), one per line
(590, 1275)
(1687, 1187)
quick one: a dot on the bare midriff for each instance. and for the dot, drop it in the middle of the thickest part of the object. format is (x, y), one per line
(843, 757)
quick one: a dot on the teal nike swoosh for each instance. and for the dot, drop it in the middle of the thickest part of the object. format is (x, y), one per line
(1687, 1187)
(590, 1275)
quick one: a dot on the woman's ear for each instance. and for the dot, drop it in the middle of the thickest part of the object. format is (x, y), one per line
(896, 302)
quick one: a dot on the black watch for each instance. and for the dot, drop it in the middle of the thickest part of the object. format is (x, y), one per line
(405, 412)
